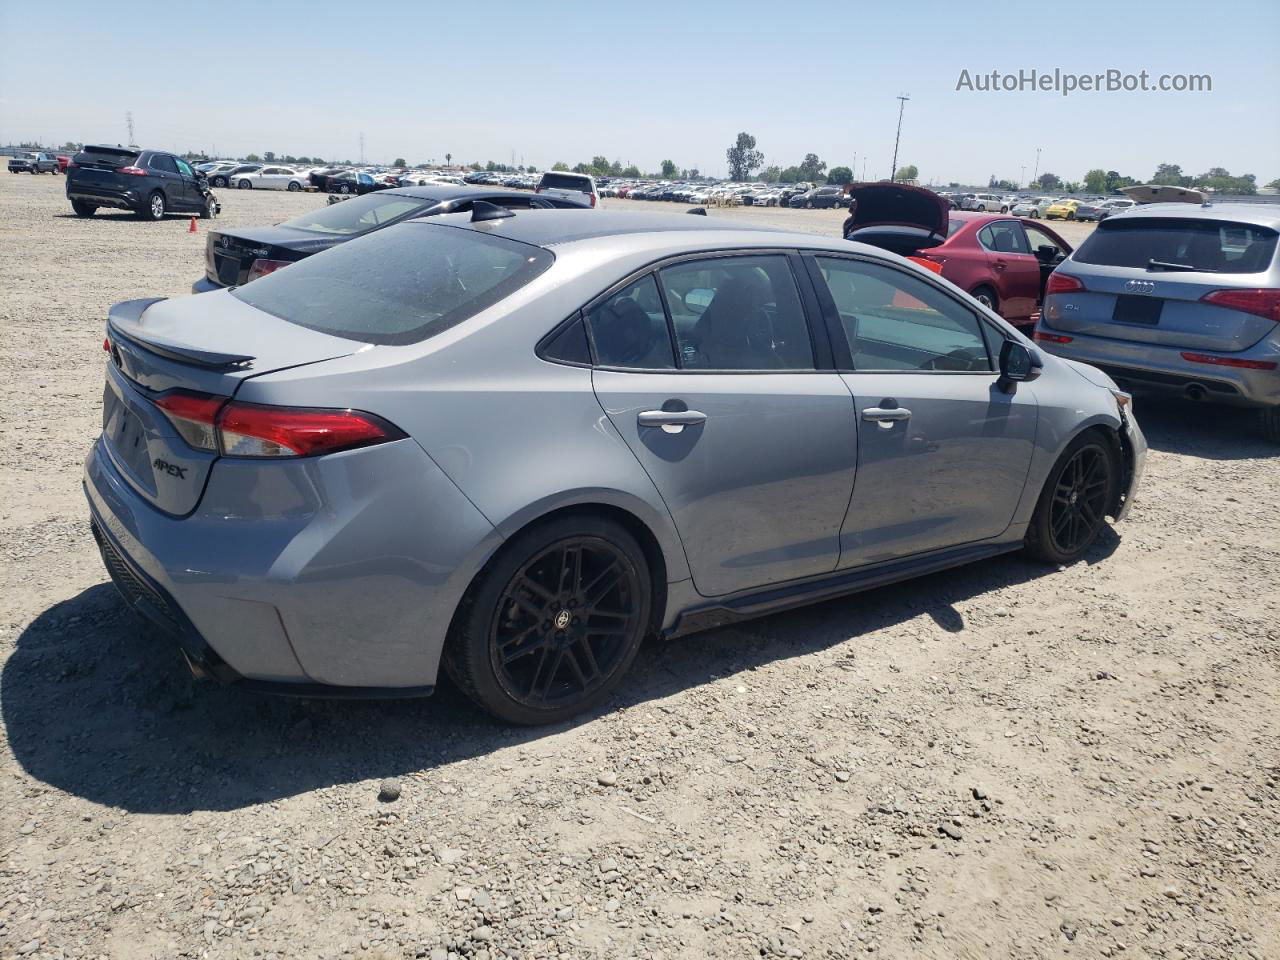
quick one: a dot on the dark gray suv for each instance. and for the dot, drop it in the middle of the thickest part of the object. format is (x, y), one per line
(151, 183)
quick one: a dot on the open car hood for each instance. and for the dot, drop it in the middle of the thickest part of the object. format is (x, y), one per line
(896, 204)
(1158, 193)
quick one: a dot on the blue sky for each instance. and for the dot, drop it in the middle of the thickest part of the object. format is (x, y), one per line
(565, 80)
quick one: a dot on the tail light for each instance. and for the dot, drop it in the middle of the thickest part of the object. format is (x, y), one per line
(261, 267)
(593, 198)
(1043, 337)
(132, 171)
(1239, 362)
(1063, 283)
(219, 425)
(1262, 303)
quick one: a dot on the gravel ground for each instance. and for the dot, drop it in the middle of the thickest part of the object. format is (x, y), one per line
(999, 761)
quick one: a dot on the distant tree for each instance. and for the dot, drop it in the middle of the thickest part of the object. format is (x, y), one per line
(1115, 181)
(615, 168)
(531, 168)
(1274, 184)
(743, 157)
(1002, 185)
(812, 168)
(770, 174)
(1220, 180)
(790, 175)
(631, 171)
(1071, 186)
(692, 173)
(909, 172)
(254, 158)
(668, 169)
(840, 175)
(490, 166)
(1095, 181)
(448, 158)
(269, 156)
(1049, 181)
(69, 147)
(599, 164)
(1170, 174)
(559, 165)
(399, 162)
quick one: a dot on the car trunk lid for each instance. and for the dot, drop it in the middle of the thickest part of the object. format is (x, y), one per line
(194, 346)
(1146, 280)
(897, 217)
(228, 256)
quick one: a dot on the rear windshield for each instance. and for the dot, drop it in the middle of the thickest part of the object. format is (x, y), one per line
(400, 285)
(114, 156)
(565, 181)
(1169, 243)
(359, 214)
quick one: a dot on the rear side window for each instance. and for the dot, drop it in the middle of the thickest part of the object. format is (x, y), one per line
(400, 285)
(1003, 236)
(629, 329)
(1170, 243)
(161, 162)
(564, 181)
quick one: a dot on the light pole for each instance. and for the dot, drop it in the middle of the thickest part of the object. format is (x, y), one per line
(1022, 177)
(893, 171)
(1036, 173)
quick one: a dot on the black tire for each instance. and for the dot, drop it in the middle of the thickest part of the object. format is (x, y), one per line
(1035, 214)
(344, 189)
(1004, 209)
(206, 212)
(987, 297)
(538, 599)
(294, 186)
(154, 208)
(245, 185)
(1269, 420)
(1071, 214)
(1080, 490)
(83, 209)
(808, 204)
(218, 182)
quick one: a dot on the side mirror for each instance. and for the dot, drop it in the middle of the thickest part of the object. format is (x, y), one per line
(1018, 364)
(1046, 253)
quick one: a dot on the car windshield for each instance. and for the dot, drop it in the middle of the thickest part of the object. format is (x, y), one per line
(400, 285)
(352, 217)
(1210, 246)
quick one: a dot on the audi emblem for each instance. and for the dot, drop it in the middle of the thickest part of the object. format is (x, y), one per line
(1140, 286)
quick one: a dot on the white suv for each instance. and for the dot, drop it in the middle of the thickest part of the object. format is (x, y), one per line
(570, 186)
(988, 202)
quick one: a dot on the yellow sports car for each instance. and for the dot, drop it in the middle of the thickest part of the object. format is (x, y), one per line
(1063, 209)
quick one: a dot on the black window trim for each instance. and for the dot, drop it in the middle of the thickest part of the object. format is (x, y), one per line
(842, 351)
(818, 336)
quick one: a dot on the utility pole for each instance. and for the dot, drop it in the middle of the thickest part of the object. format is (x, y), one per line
(893, 171)
(128, 119)
(1022, 177)
(1036, 174)
(362, 148)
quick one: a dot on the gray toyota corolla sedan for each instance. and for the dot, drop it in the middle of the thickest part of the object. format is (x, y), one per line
(516, 444)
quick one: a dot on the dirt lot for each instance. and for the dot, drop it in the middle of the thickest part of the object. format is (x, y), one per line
(1000, 761)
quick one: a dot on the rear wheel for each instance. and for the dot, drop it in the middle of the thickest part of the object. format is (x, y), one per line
(1035, 214)
(1004, 209)
(294, 186)
(218, 182)
(1073, 505)
(1071, 214)
(552, 625)
(83, 209)
(987, 297)
(1270, 421)
(154, 209)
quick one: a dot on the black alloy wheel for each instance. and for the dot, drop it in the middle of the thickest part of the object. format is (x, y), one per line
(564, 621)
(1081, 490)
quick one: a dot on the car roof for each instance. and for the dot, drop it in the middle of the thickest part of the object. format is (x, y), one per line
(1256, 214)
(562, 228)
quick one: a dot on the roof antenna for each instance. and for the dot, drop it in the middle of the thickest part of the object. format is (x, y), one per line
(481, 210)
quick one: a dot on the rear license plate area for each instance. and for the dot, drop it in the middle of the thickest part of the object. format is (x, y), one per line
(1143, 311)
(228, 269)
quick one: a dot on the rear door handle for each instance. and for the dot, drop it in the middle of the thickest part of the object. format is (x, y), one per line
(886, 415)
(673, 421)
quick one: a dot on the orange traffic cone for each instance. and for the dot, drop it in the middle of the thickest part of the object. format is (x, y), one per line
(192, 228)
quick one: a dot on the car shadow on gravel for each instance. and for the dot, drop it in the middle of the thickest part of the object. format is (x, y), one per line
(1174, 425)
(99, 705)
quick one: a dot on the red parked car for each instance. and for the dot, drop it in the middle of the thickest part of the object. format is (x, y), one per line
(62, 163)
(1003, 262)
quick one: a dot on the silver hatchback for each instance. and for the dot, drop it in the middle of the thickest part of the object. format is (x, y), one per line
(1177, 297)
(518, 444)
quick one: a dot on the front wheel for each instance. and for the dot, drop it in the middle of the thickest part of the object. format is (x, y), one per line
(1071, 215)
(551, 626)
(1004, 209)
(245, 185)
(294, 186)
(987, 297)
(218, 182)
(1035, 214)
(1073, 506)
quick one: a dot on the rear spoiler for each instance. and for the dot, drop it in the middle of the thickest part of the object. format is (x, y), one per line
(122, 322)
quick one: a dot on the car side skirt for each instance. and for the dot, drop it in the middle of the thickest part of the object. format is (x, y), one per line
(779, 597)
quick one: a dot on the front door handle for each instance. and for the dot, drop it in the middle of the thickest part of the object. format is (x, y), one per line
(672, 421)
(886, 415)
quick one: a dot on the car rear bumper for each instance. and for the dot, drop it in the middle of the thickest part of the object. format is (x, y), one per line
(269, 584)
(102, 197)
(1163, 369)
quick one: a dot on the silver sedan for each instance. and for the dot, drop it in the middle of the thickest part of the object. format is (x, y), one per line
(515, 445)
